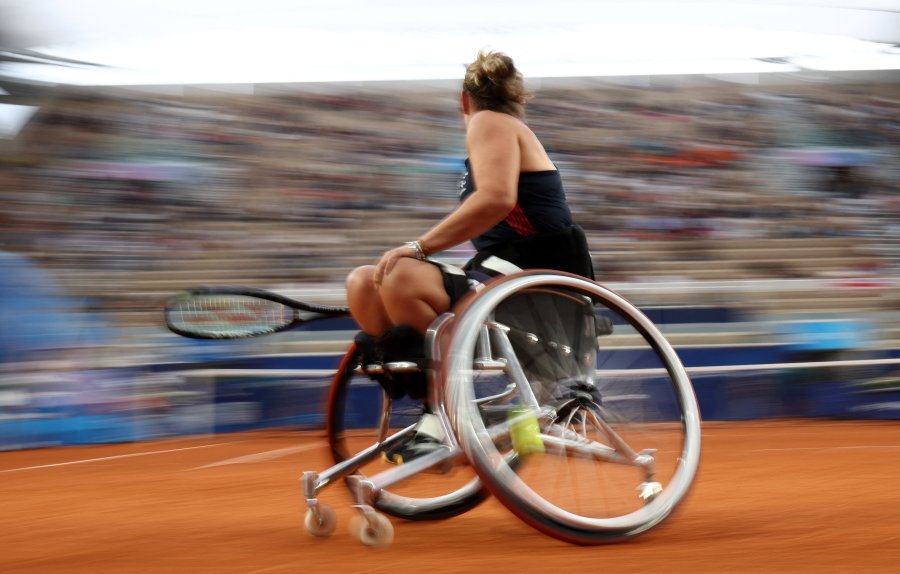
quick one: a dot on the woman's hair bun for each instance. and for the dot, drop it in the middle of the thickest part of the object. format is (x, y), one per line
(495, 66)
(494, 83)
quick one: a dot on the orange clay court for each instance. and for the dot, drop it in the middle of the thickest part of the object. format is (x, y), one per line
(771, 496)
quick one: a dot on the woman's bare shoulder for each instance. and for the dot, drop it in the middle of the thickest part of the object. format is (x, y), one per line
(489, 125)
(491, 119)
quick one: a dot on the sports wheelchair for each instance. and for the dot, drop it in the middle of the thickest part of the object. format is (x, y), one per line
(556, 396)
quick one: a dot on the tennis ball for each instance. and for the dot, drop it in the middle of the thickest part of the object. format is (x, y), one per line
(525, 431)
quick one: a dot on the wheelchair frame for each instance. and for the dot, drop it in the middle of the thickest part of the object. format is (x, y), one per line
(468, 342)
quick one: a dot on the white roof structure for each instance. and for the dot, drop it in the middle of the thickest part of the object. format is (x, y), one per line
(162, 42)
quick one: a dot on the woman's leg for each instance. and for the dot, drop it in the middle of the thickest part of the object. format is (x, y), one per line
(365, 303)
(413, 294)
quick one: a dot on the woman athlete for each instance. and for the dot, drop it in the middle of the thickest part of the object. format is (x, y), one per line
(513, 209)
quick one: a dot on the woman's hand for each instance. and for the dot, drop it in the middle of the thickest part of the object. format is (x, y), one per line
(390, 258)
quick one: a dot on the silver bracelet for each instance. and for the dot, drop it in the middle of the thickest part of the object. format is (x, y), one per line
(417, 247)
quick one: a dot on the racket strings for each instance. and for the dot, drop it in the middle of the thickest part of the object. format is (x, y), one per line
(229, 314)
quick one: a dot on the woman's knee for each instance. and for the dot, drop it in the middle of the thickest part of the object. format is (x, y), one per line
(364, 300)
(360, 280)
(405, 279)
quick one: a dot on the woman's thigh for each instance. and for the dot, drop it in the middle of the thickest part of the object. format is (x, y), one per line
(411, 280)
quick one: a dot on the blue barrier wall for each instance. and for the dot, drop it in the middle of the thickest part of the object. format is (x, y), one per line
(176, 399)
(180, 398)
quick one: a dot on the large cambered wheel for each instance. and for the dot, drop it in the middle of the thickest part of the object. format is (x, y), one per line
(579, 417)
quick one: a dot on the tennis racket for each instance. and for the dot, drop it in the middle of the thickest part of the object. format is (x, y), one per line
(240, 313)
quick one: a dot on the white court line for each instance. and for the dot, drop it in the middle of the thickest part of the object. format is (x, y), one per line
(851, 447)
(105, 458)
(261, 456)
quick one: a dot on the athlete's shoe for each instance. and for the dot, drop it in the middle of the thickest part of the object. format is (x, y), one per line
(412, 448)
(425, 439)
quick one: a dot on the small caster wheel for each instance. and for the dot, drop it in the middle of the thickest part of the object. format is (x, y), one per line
(321, 523)
(377, 531)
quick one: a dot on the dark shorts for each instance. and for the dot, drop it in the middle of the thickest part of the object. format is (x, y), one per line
(459, 281)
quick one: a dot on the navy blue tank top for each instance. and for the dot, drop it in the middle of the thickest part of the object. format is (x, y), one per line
(540, 207)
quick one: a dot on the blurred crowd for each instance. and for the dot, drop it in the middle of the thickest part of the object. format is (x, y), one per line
(126, 197)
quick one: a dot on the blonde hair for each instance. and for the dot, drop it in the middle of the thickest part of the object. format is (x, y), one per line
(493, 83)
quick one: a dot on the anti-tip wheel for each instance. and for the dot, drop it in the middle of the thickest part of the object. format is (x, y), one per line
(376, 531)
(320, 524)
(647, 491)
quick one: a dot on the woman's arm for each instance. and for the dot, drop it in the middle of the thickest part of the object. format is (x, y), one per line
(494, 156)
(493, 149)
